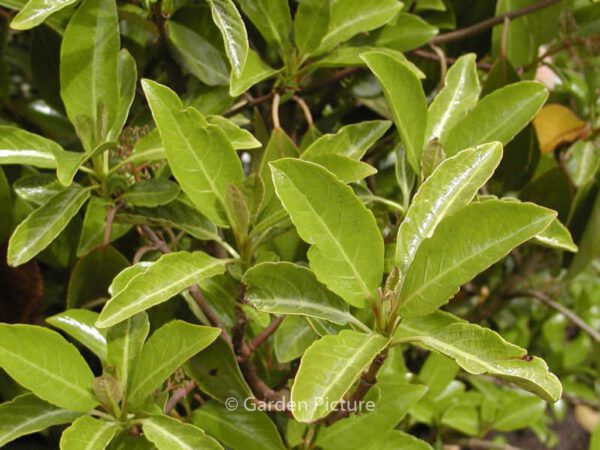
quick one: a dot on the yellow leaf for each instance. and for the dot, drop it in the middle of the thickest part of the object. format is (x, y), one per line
(556, 124)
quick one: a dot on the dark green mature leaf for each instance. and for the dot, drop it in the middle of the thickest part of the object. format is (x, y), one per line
(310, 24)
(407, 32)
(35, 12)
(328, 370)
(28, 414)
(89, 70)
(154, 192)
(167, 277)
(79, 324)
(195, 152)
(479, 350)
(44, 224)
(320, 206)
(176, 342)
(22, 147)
(405, 96)
(292, 338)
(272, 18)
(37, 188)
(473, 238)
(229, 21)
(499, 116)
(88, 433)
(63, 379)
(6, 206)
(451, 186)
(239, 429)
(170, 434)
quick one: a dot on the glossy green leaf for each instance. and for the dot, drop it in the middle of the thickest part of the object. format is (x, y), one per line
(88, 433)
(557, 236)
(286, 288)
(28, 414)
(124, 342)
(328, 370)
(272, 18)
(22, 147)
(310, 24)
(89, 70)
(44, 224)
(167, 277)
(407, 32)
(195, 153)
(35, 12)
(459, 95)
(346, 169)
(170, 434)
(38, 188)
(405, 96)
(239, 429)
(317, 203)
(79, 324)
(480, 351)
(154, 192)
(64, 379)
(127, 85)
(229, 21)
(499, 116)
(451, 186)
(292, 338)
(255, 70)
(473, 238)
(177, 341)
(240, 139)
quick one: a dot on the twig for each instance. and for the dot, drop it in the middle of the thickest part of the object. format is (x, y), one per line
(545, 299)
(139, 254)
(247, 103)
(264, 334)
(489, 23)
(275, 111)
(476, 444)
(305, 109)
(158, 242)
(110, 217)
(179, 395)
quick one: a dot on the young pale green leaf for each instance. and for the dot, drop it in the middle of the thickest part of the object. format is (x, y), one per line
(28, 414)
(22, 147)
(404, 94)
(167, 277)
(472, 239)
(255, 70)
(346, 169)
(329, 216)
(195, 153)
(80, 324)
(35, 12)
(272, 18)
(292, 338)
(170, 434)
(229, 21)
(153, 192)
(124, 343)
(88, 433)
(499, 116)
(175, 342)
(238, 429)
(123, 278)
(360, 430)
(556, 236)
(45, 363)
(240, 139)
(328, 370)
(89, 70)
(407, 32)
(459, 95)
(452, 185)
(479, 350)
(44, 224)
(127, 85)
(286, 288)
(310, 24)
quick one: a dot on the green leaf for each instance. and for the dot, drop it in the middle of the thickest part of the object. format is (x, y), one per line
(35, 12)
(320, 206)
(255, 70)
(44, 224)
(310, 24)
(480, 351)
(519, 413)
(272, 18)
(94, 226)
(404, 94)
(472, 239)
(239, 429)
(292, 338)
(28, 414)
(6, 206)
(229, 21)
(170, 434)
(88, 433)
(124, 343)
(122, 279)
(240, 139)
(499, 116)
(153, 192)
(127, 86)
(556, 236)
(37, 188)
(328, 370)
(63, 379)
(167, 277)
(452, 185)
(176, 342)
(346, 169)
(286, 288)
(407, 32)
(459, 95)
(79, 324)
(399, 440)
(360, 430)
(195, 153)
(198, 55)
(89, 70)
(21, 147)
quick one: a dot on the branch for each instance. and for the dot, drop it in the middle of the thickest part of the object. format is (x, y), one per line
(179, 395)
(490, 23)
(264, 334)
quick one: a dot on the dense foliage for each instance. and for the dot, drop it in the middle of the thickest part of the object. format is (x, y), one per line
(332, 224)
